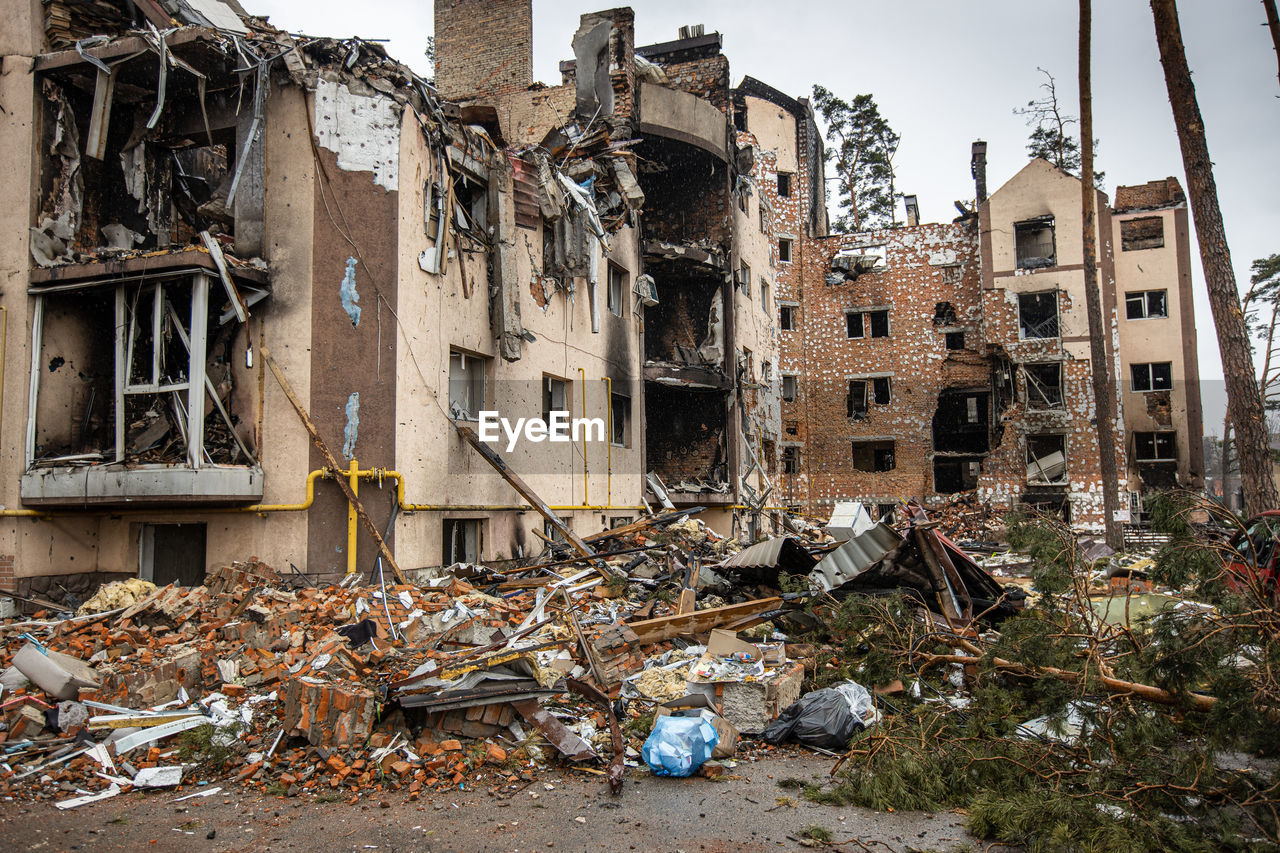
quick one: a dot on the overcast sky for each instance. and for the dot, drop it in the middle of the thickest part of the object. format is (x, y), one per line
(946, 73)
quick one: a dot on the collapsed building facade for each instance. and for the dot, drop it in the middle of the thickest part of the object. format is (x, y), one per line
(934, 359)
(229, 246)
(258, 289)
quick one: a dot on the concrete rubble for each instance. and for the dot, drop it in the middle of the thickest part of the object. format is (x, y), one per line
(477, 676)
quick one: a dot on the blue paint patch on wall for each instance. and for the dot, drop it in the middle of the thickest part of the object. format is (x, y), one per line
(352, 429)
(348, 293)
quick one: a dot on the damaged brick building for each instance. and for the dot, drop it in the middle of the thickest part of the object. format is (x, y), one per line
(227, 246)
(933, 359)
(257, 289)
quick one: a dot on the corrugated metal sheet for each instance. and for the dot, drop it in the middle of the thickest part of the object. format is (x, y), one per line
(855, 556)
(782, 552)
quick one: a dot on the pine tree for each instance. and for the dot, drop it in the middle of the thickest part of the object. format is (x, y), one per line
(862, 150)
(1050, 136)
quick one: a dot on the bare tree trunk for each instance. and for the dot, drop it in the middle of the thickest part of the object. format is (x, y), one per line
(1226, 457)
(1244, 402)
(1104, 394)
(1273, 24)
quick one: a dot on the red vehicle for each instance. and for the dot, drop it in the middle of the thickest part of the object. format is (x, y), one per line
(1254, 555)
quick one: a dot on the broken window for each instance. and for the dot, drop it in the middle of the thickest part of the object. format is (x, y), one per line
(1038, 314)
(463, 541)
(466, 385)
(873, 455)
(944, 314)
(1146, 304)
(787, 318)
(620, 521)
(136, 390)
(1034, 243)
(764, 297)
(1154, 447)
(617, 290)
(955, 340)
(1044, 385)
(856, 400)
(1145, 232)
(1153, 376)
(788, 387)
(1046, 459)
(880, 390)
(784, 250)
(951, 475)
(744, 279)
(555, 396)
(620, 420)
(792, 428)
(784, 184)
(791, 460)
(961, 423)
(867, 324)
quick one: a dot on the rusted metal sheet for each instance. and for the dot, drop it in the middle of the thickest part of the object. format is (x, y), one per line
(566, 742)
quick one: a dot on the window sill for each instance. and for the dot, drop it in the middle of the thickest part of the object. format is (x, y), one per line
(141, 485)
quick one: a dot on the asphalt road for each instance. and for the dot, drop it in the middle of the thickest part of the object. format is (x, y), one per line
(561, 810)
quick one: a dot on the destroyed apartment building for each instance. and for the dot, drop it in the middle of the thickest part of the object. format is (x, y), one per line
(932, 359)
(259, 287)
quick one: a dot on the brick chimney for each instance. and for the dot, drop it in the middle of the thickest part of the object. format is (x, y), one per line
(978, 168)
(483, 47)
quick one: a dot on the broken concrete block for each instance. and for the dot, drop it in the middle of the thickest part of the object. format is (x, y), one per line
(56, 674)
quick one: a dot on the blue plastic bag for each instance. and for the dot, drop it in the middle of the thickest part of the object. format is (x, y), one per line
(678, 746)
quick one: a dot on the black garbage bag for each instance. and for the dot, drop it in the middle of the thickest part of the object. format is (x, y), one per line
(822, 718)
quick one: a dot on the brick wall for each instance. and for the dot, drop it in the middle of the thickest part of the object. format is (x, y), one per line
(6, 573)
(483, 47)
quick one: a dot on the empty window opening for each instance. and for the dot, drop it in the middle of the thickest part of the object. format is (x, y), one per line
(955, 340)
(1154, 447)
(1038, 314)
(466, 385)
(850, 264)
(944, 314)
(792, 428)
(884, 512)
(867, 324)
(1034, 243)
(874, 456)
(787, 318)
(856, 400)
(617, 290)
(961, 423)
(1146, 304)
(764, 297)
(619, 521)
(791, 460)
(880, 390)
(951, 475)
(462, 541)
(555, 396)
(1046, 459)
(784, 250)
(744, 279)
(1145, 232)
(784, 184)
(1154, 376)
(620, 420)
(788, 387)
(1044, 385)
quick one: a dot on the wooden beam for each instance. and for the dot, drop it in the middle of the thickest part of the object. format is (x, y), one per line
(700, 621)
(334, 466)
(642, 524)
(523, 489)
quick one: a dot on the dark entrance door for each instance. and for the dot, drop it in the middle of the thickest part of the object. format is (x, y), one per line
(173, 553)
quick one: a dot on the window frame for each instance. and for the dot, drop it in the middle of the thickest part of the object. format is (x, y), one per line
(482, 378)
(1057, 316)
(787, 318)
(793, 380)
(617, 424)
(1157, 437)
(785, 184)
(789, 245)
(1143, 298)
(617, 305)
(1148, 369)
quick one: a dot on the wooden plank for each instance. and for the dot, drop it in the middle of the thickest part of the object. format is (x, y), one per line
(699, 622)
(642, 524)
(523, 489)
(334, 466)
(688, 595)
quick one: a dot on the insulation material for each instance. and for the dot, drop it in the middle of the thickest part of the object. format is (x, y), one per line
(117, 595)
(351, 431)
(364, 131)
(347, 292)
